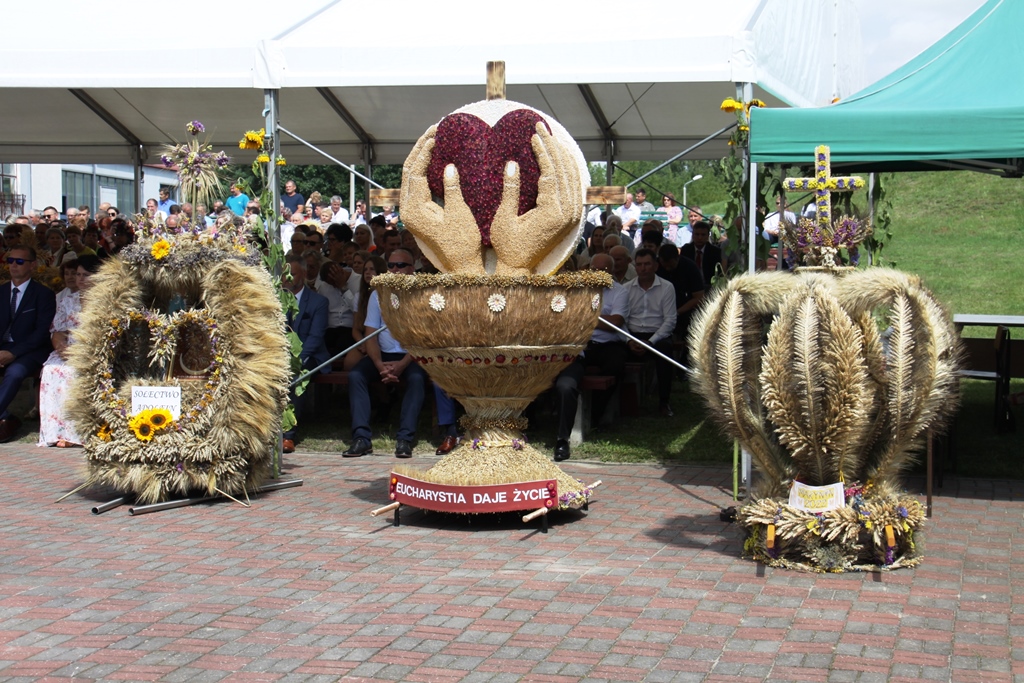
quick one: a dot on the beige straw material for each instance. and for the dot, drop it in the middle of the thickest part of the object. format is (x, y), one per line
(466, 466)
(501, 371)
(444, 311)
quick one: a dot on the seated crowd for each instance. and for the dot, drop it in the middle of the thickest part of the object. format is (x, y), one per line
(661, 270)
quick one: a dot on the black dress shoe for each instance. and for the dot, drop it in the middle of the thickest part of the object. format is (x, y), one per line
(561, 450)
(403, 449)
(8, 428)
(359, 447)
(449, 443)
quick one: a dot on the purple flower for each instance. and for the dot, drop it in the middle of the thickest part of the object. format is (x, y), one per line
(223, 160)
(167, 161)
(194, 127)
(902, 512)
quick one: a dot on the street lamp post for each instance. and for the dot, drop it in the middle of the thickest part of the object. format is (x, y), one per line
(691, 180)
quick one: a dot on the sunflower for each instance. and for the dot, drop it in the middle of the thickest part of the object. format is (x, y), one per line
(160, 249)
(263, 159)
(252, 139)
(141, 427)
(281, 161)
(104, 433)
(754, 103)
(159, 418)
(729, 105)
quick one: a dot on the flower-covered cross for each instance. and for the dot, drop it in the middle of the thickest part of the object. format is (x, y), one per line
(824, 184)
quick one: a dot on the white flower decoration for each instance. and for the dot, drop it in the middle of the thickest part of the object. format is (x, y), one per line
(437, 301)
(395, 303)
(595, 302)
(496, 302)
(558, 303)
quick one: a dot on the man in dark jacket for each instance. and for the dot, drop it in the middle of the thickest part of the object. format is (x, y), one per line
(25, 322)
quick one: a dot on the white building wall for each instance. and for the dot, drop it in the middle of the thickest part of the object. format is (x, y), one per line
(42, 186)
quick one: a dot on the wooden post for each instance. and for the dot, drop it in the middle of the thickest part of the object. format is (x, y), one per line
(495, 80)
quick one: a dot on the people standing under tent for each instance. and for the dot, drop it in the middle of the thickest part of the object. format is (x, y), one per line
(237, 201)
(291, 198)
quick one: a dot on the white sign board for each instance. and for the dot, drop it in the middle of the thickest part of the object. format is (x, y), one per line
(145, 398)
(816, 498)
(108, 195)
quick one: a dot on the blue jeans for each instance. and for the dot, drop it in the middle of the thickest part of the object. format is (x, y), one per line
(359, 379)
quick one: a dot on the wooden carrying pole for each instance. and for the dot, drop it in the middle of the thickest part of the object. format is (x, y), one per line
(386, 508)
(495, 80)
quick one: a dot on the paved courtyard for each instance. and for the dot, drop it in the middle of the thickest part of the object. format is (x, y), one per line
(648, 585)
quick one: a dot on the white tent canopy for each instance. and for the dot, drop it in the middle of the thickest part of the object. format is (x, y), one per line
(110, 79)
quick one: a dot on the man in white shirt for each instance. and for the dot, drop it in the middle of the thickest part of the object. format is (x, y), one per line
(652, 318)
(770, 226)
(606, 349)
(630, 215)
(339, 214)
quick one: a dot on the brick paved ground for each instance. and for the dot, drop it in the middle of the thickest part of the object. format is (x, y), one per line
(306, 586)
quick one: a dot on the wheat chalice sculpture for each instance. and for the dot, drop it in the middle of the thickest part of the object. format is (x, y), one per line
(494, 195)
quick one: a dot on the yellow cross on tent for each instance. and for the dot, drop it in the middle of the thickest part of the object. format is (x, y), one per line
(824, 184)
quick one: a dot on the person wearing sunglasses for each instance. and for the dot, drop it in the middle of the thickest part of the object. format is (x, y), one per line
(386, 361)
(26, 312)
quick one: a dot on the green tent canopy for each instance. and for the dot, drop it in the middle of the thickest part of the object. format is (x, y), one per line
(957, 105)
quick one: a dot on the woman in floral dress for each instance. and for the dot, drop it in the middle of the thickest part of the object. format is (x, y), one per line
(54, 427)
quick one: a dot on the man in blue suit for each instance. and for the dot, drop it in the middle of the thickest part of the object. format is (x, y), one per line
(310, 324)
(26, 311)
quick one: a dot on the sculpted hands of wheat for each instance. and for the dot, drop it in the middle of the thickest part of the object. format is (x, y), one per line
(521, 242)
(447, 235)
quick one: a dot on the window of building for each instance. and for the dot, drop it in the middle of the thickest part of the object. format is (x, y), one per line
(10, 201)
(78, 190)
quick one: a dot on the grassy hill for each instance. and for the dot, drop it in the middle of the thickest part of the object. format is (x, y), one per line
(963, 233)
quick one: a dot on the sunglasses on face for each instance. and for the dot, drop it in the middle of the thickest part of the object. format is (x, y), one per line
(112, 214)
(398, 264)
(20, 261)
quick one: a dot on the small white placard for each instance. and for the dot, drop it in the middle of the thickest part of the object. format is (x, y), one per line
(816, 498)
(144, 398)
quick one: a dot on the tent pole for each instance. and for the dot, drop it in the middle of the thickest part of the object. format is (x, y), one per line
(367, 160)
(752, 218)
(871, 207)
(270, 111)
(138, 180)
